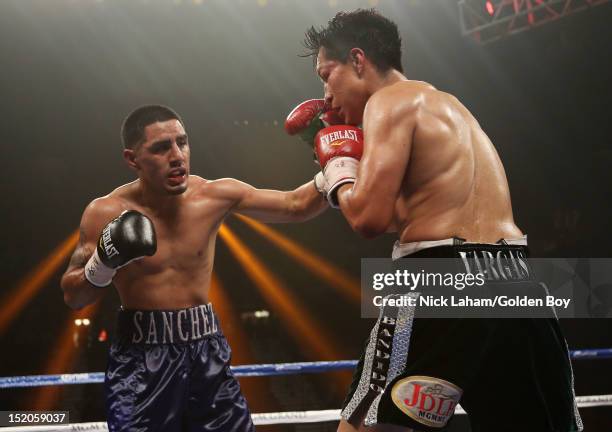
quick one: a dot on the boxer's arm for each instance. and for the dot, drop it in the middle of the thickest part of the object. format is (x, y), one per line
(389, 122)
(78, 292)
(274, 206)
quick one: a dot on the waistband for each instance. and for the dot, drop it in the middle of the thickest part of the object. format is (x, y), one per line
(403, 249)
(153, 327)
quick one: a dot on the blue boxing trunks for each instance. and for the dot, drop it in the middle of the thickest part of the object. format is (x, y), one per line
(169, 370)
(509, 374)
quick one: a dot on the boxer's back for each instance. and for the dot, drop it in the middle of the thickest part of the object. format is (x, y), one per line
(455, 184)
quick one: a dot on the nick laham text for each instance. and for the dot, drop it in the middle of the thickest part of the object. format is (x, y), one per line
(470, 302)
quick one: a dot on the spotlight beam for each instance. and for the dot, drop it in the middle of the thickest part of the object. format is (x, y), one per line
(337, 278)
(292, 312)
(61, 359)
(255, 391)
(26, 289)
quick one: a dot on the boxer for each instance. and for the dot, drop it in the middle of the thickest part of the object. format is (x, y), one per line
(154, 240)
(424, 169)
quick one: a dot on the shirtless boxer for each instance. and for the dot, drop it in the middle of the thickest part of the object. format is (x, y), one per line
(154, 239)
(429, 173)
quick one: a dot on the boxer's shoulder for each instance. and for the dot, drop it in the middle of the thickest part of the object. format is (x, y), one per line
(223, 188)
(97, 214)
(398, 99)
(395, 105)
(124, 195)
(196, 181)
(203, 189)
(109, 206)
(404, 89)
(223, 193)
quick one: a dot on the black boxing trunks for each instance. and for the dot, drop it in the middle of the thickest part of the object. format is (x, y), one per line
(170, 371)
(508, 374)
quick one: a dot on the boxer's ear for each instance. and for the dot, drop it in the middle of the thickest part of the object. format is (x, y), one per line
(130, 158)
(357, 58)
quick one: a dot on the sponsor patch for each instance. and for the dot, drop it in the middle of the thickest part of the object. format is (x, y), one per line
(428, 400)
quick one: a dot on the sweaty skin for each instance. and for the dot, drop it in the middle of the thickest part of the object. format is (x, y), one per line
(187, 212)
(428, 171)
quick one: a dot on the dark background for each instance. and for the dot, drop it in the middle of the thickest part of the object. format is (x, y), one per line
(72, 69)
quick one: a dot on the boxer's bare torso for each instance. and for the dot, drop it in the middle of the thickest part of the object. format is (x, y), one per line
(455, 184)
(179, 273)
(428, 172)
(186, 212)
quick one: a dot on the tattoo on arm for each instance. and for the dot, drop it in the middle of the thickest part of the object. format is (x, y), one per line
(80, 256)
(79, 259)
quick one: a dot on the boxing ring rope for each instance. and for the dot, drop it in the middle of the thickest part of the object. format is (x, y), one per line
(275, 369)
(239, 371)
(272, 369)
(287, 417)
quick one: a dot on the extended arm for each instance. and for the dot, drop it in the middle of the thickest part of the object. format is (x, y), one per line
(273, 206)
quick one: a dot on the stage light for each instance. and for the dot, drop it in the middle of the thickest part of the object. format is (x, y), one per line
(490, 8)
(86, 322)
(257, 392)
(78, 322)
(17, 299)
(61, 359)
(339, 280)
(286, 305)
(312, 336)
(258, 314)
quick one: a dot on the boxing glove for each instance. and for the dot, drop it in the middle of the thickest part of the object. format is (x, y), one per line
(338, 150)
(309, 117)
(128, 237)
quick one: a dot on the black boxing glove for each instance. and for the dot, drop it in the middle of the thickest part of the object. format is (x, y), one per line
(128, 237)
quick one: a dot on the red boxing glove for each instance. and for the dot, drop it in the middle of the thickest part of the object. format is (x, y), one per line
(310, 117)
(338, 150)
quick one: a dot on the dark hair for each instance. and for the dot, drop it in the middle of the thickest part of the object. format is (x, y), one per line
(132, 130)
(376, 35)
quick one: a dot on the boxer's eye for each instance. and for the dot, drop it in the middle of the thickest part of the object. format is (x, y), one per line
(160, 147)
(323, 75)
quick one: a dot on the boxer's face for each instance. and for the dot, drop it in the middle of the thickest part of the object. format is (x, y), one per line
(344, 89)
(162, 160)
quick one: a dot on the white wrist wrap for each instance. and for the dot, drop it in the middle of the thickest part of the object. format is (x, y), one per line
(338, 171)
(320, 183)
(97, 273)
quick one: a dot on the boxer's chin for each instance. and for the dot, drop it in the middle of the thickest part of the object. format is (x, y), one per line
(178, 189)
(177, 185)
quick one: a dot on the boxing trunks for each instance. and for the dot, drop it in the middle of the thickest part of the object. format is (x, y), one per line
(170, 371)
(508, 374)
